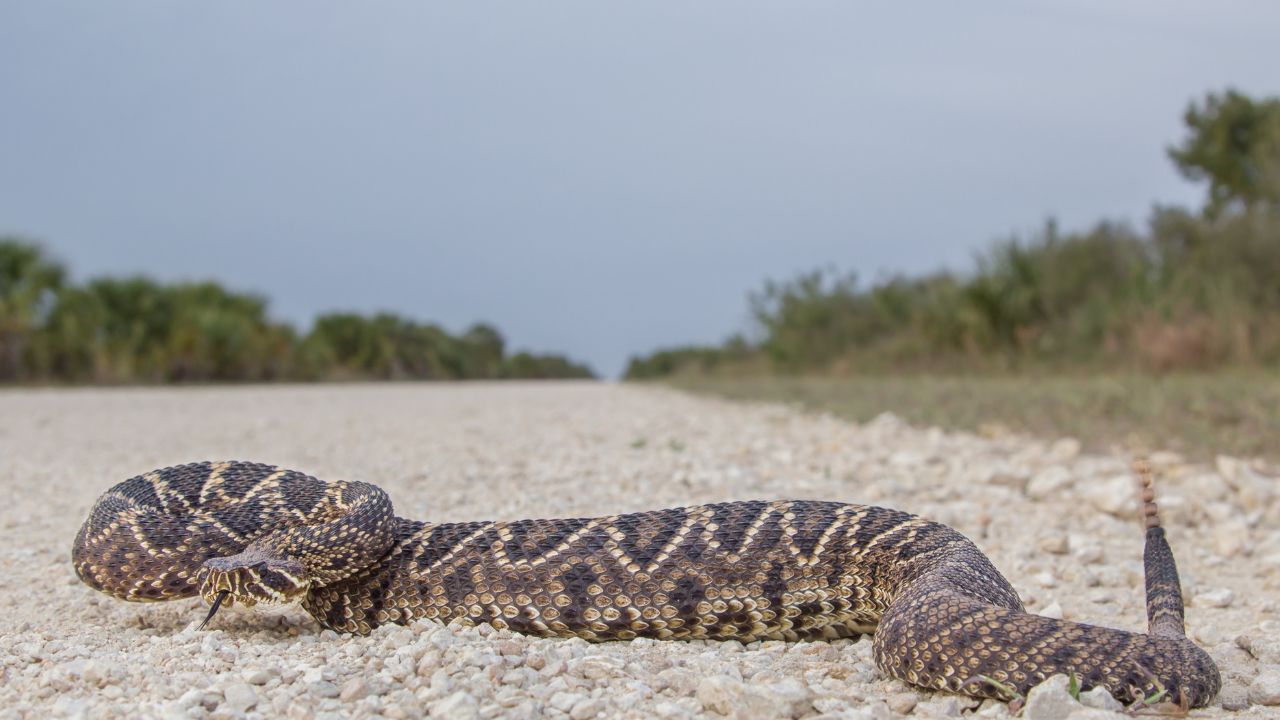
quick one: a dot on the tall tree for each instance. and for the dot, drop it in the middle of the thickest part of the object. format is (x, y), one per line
(29, 281)
(1233, 142)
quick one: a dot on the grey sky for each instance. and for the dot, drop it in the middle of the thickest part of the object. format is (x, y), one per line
(598, 178)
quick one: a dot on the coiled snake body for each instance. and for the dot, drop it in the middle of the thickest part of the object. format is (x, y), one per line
(943, 616)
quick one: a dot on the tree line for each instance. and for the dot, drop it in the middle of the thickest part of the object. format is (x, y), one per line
(1193, 290)
(137, 330)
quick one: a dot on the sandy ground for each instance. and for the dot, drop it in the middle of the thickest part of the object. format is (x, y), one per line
(1058, 523)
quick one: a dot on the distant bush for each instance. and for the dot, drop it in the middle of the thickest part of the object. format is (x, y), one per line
(1192, 291)
(528, 366)
(131, 330)
(734, 356)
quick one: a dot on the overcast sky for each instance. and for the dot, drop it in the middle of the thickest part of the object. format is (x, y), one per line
(595, 178)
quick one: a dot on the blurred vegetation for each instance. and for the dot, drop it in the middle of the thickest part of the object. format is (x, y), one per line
(135, 330)
(1200, 415)
(1193, 290)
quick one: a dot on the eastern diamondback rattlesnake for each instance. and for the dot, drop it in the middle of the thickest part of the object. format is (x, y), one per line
(943, 616)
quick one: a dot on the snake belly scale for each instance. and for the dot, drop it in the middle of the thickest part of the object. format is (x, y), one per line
(943, 616)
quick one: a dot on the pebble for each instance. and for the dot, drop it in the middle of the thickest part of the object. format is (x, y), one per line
(240, 696)
(902, 703)
(727, 696)
(587, 708)
(874, 710)
(1101, 699)
(564, 701)
(940, 706)
(323, 689)
(94, 673)
(1054, 545)
(354, 689)
(1115, 495)
(1064, 449)
(1265, 689)
(458, 706)
(1216, 598)
(1047, 482)
(1230, 537)
(1050, 700)
(1234, 697)
(260, 676)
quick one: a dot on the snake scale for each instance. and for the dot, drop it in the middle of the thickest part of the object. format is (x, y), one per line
(943, 616)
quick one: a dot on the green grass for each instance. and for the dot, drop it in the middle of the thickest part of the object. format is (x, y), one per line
(1199, 416)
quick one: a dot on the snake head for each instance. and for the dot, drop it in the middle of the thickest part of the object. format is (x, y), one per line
(253, 577)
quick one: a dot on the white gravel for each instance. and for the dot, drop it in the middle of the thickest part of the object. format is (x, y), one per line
(1058, 523)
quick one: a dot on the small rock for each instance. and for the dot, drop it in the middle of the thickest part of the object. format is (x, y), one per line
(1050, 700)
(1216, 598)
(94, 673)
(1047, 482)
(1115, 495)
(992, 708)
(1087, 713)
(190, 699)
(1230, 468)
(260, 676)
(940, 706)
(429, 663)
(1009, 480)
(324, 689)
(679, 680)
(596, 667)
(70, 707)
(395, 711)
(511, 648)
(1230, 537)
(1054, 545)
(1064, 450)
(1208, 635)
(586, 709)
(1234, 697)
(1101, 699)
(395, 636)
(727, 696)
(1207, 487)
(832, 705)
(1090, 555)
(1265, 689)
(564, 701)
(354, 689)
(458, 706)
(875, 710)
(536, 660)
(886, 422)
(240, 696)
(902, 703)
(1052, 610)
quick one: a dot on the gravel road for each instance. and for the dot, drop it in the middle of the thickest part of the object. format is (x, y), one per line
(1060, 524)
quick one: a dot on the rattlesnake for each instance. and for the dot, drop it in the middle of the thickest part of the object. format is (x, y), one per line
(943, 616)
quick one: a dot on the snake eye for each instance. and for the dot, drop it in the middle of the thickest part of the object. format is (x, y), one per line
(281, 583)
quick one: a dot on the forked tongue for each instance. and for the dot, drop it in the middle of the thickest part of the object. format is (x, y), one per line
(222, 595)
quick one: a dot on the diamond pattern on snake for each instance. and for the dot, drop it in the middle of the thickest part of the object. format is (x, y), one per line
(943, 616)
